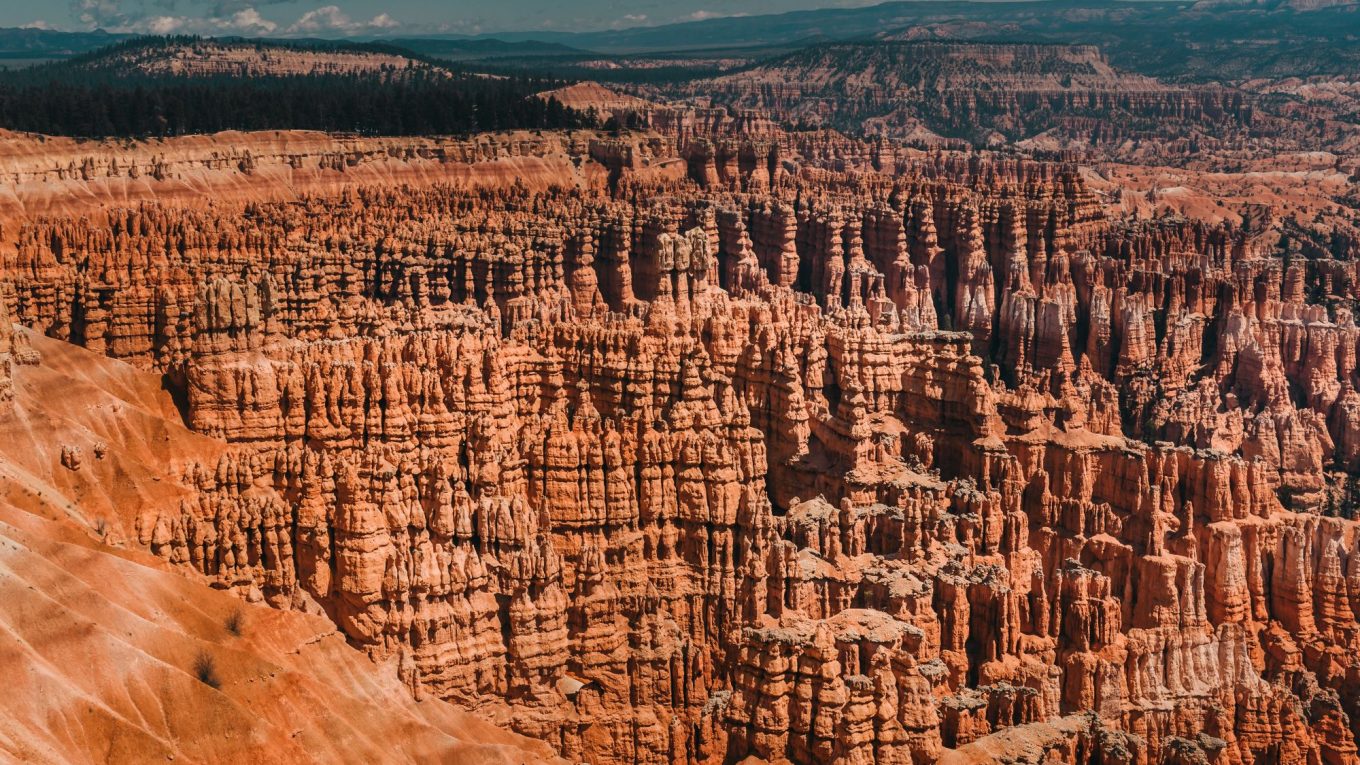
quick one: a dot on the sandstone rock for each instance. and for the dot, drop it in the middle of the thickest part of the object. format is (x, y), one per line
(816, 451)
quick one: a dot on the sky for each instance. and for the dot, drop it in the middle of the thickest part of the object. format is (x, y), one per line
(339, 18)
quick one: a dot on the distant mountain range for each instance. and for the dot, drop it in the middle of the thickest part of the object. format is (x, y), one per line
(1211, 39)
(481, 47)
(1055, 18)
(47, 43)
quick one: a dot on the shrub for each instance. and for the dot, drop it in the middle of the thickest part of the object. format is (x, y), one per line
(205, 669)
(236, 621)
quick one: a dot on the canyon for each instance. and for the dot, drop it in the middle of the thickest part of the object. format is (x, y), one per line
(721, 437)
(1062, 102)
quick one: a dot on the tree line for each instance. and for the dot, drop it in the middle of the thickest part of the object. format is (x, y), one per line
(75, 99)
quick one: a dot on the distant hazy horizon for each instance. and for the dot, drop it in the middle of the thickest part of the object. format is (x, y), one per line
(350, 18)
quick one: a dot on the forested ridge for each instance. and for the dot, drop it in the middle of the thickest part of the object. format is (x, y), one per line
(82, 99)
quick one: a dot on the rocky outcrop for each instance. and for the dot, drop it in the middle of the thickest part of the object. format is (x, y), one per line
(15, 350)
(55, 176)
(1057, 100)
(215, 58)
(819, 450)
(90, 616)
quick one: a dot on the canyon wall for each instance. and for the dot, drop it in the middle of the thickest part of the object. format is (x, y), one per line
(47, 175)
(1052, 100)
(776, 445)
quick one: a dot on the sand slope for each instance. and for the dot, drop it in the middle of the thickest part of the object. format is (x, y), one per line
(99, 640)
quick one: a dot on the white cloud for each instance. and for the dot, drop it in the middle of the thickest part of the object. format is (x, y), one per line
(249, 20)
(706, 15)
(629, 20)
(36, 24)
(325, 18)
(190, 16)
(163, 25)
(100, 13)
(219, 17)
(246, 21)
(461, 26)
(329, 18)
(227, 17)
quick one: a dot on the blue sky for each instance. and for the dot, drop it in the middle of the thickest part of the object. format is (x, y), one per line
(334, 18)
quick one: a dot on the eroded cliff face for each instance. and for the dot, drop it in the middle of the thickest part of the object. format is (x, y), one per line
(1058, 101)
(55, 176)
(112, 654)
(787, 446)
(218, 58)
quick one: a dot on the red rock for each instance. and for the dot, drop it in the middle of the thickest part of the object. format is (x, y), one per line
(830, 452)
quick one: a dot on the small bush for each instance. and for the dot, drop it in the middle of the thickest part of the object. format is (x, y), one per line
(205, 669)
(236, 621)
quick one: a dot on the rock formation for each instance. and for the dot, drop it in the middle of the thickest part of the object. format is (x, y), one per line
(197, 57)
(805, 448)
(1056, 100)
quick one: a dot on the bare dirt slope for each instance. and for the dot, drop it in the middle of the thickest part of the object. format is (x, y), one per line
(587, 95)
(112, 655)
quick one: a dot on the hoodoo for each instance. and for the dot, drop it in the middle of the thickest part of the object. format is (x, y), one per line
(893, 402)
